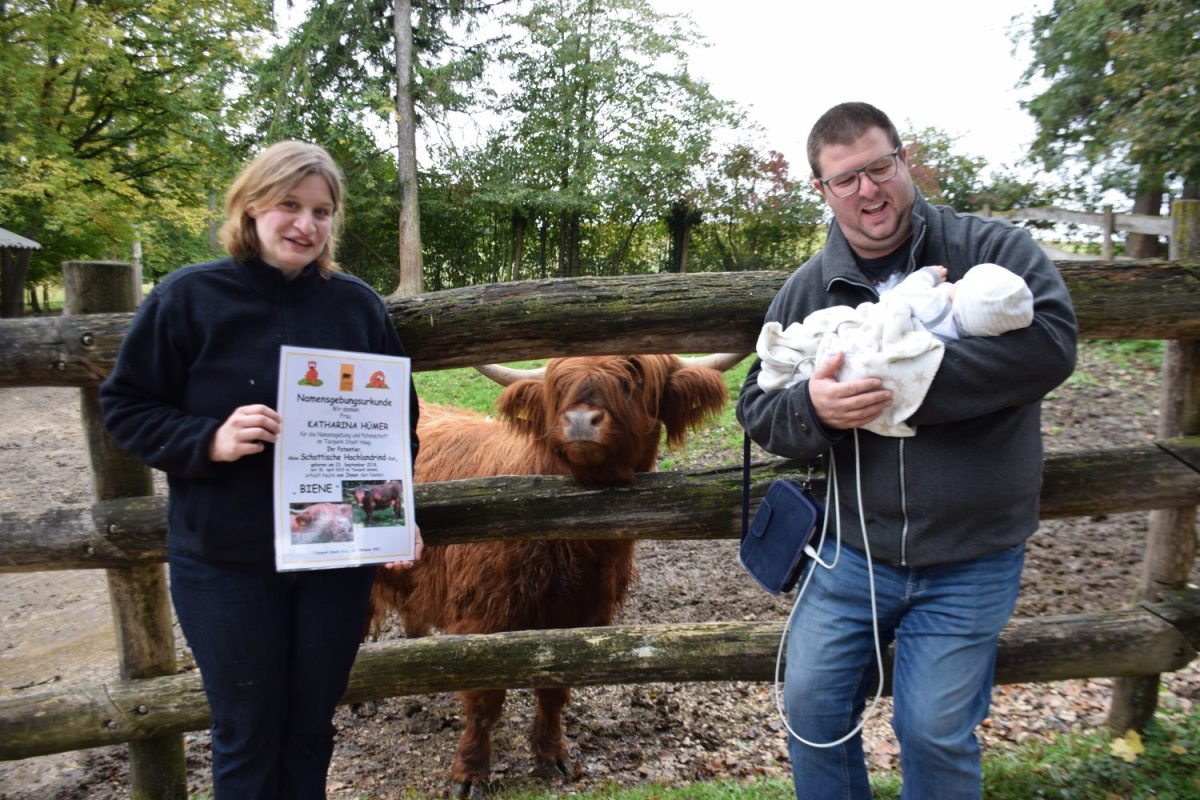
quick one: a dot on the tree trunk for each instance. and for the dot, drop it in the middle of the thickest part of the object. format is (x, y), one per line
(214, 224)
(406, 160)
(685, 243)
(519, 223)
(680, 220)
(1148, 201)
(576, 240)
(543, 246)
(34, 306)
(568, 244)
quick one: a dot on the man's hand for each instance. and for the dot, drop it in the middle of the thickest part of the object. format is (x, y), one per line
(844, 405)
(245, 433)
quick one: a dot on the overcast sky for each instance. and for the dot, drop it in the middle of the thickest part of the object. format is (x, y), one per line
(946, 64)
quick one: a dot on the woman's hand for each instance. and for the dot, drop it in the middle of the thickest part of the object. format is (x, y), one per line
(246, 432)
(420, 546)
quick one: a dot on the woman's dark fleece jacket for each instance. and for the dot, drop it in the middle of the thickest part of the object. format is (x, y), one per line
(968, 484)
(205, 342)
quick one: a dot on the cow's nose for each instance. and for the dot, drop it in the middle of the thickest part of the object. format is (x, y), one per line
(583, 424)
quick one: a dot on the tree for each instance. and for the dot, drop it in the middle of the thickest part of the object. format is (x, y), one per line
(681, 218)
(606, 121)
(113, 110)
(355, 68)
(406, 154)
(1122, 81)
(756, 216)
(942, 175)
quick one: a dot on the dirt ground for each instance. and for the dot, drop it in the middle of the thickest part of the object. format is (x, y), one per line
(56, 631)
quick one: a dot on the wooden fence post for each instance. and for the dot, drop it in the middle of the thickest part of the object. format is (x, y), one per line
(1171, 539)
(138, 595)
(1106, 239)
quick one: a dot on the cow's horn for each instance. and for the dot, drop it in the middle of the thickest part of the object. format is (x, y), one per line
(717, 361)
(509, 375)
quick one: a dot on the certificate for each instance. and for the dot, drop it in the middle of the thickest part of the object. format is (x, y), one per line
(343, 460)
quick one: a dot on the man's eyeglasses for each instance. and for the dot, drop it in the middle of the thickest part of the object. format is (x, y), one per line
(879, 170)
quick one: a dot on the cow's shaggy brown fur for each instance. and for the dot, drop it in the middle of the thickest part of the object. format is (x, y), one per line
(596, 419)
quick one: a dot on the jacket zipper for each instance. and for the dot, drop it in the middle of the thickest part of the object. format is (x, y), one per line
(918, 241)
(903, 509)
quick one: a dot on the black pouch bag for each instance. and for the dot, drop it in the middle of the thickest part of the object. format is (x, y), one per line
(772, 547)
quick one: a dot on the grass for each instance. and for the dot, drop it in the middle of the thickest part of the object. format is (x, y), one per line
(1087, 765)
(716, 790)
(1125, 355)
(1093, 765)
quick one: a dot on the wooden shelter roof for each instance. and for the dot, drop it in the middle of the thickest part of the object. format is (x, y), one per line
(10, 239)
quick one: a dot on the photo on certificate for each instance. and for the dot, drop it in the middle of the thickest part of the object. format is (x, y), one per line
(376, 503)
(343, 468)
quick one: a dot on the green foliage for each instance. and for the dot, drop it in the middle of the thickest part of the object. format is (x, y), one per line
(604, 124)
(1087, 765)
(1121, 88)
(463, 387)
(112, 125)
(125, 121)
(943, 176)
(954, 179)
(338, 68)
(334, 81)
(755, 215)
(1006, 190)
(1126, 354)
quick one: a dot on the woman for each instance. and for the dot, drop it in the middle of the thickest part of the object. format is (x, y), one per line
(192, 394)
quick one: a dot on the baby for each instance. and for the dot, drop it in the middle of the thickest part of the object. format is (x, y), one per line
(987, 301)
(898, 339)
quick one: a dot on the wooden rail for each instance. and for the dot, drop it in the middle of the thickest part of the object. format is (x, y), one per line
(703, 504)
(593, 316)
(1141, 641)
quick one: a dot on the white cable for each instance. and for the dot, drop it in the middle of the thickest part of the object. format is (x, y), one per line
(831, 495)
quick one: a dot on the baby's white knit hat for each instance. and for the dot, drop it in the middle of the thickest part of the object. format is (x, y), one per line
(990, 300)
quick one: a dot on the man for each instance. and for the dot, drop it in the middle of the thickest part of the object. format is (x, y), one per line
(946, 511)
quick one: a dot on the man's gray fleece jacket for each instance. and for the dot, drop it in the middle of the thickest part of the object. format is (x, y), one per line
(967, 485)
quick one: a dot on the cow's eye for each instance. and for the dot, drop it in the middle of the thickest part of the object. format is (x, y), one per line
(636, 376)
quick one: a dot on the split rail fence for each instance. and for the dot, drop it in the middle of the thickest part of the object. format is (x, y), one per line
(149, 706)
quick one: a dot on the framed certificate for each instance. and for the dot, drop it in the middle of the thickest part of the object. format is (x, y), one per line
(343, 460)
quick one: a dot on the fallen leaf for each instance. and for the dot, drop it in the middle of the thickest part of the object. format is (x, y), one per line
(1128, 747)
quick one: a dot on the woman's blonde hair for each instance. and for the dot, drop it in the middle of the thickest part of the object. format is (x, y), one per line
(266, 181)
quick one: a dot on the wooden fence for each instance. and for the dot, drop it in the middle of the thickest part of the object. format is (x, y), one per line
(647, 314)
(1108, 222)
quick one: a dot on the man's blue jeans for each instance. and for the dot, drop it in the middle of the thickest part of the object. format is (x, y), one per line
(275, 651)
(946, 621)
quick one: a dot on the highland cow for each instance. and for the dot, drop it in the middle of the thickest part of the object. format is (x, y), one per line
(598, 420)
